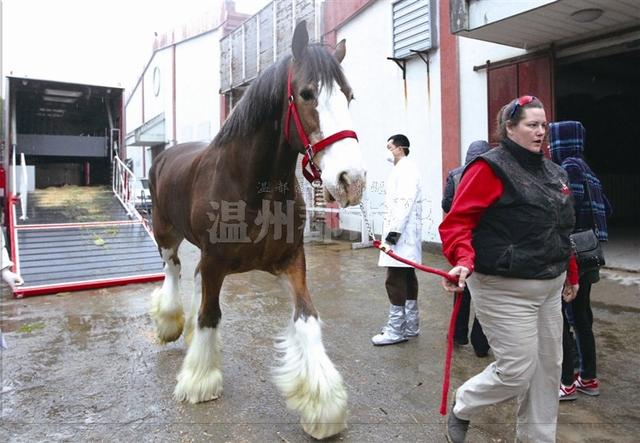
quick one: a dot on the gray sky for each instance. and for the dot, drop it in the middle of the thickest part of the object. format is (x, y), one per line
(93, 41)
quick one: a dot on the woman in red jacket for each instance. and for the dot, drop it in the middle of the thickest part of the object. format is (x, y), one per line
(507, 237)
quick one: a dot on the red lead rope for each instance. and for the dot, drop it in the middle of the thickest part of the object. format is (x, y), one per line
(447, 360)
(452, 321)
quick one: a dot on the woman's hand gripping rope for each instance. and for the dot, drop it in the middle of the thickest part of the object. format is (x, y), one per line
(458, 284)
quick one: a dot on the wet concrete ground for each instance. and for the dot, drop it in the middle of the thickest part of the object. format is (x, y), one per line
(86, 366)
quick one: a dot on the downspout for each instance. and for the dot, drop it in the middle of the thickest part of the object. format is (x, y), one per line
(123, 122)
(107, 104)
(173, 97)
(13, 141)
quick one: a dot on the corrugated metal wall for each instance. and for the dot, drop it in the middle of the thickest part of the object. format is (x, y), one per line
(249, 49)
(266, 37)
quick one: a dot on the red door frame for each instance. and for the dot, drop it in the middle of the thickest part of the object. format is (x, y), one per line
(450, 93)
(532, 75)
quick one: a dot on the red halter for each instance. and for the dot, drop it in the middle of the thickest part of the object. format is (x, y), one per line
(309, 169)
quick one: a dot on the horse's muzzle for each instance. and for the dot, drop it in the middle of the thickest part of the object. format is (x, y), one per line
(350, 187)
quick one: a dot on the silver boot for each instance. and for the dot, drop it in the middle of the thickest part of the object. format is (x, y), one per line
(413, 318)
(393, 332)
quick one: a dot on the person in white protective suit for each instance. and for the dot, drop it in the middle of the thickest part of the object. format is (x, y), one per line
(11, 278)
(402, 232)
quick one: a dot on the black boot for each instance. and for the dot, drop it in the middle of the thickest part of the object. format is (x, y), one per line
(461, 334)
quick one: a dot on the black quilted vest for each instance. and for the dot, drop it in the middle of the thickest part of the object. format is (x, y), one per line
(525, 234)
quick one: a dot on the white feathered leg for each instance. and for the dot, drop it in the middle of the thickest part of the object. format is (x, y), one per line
(196, 300)
(200, 378)
(166, 305)
(309, 380)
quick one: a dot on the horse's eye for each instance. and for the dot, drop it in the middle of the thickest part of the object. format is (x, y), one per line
(306, 94)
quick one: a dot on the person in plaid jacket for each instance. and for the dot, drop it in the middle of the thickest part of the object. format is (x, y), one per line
(567, 139)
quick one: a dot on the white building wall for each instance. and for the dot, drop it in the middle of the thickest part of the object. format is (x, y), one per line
(133, 119)
(136, 153)
(133, 110)
(197, 88)
(156, 100)
(385, 105)
(197, 95)
(473, 87)
(163, 101)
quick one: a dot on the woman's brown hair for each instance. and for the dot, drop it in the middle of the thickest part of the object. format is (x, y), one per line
(511, 113)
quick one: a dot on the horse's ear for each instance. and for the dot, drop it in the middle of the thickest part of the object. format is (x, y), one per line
(300, 40)
(341, 50)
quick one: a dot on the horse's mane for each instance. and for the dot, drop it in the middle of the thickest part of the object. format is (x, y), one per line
(264, 99)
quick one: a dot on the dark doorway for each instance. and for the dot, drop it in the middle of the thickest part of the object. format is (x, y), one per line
(604, 94)
(64, 130)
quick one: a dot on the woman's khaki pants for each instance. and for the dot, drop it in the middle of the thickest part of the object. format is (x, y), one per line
(522, 320)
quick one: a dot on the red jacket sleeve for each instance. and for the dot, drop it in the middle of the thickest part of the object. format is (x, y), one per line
(573, 274)
(479, 188)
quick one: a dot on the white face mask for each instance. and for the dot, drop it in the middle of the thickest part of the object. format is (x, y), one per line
(388, 156)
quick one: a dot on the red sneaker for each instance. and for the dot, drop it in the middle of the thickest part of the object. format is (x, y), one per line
(568, 392)
(589, 387)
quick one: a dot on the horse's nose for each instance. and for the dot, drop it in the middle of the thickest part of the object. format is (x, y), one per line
(352, 183)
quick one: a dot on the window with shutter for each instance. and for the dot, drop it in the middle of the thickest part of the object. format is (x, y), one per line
(414, 27)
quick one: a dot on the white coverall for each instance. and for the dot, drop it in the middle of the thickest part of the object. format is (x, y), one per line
(403, 206)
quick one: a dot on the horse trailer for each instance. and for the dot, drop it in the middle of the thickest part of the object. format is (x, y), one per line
(69, 206)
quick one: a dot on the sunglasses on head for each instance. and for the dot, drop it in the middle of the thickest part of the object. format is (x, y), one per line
(522, 101)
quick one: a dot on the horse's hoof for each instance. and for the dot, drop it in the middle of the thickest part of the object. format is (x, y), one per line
(327, 419)
(169, 322)
(321, 401)
(197, 389)
(321, 431)
(309, 382)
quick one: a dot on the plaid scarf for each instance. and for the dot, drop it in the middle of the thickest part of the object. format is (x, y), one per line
(566, 140)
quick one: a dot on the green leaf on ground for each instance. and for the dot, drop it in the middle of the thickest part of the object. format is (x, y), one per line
(30, 327)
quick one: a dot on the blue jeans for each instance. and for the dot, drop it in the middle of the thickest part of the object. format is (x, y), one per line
(583, 328)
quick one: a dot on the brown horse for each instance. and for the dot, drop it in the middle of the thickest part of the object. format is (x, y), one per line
(237, 199)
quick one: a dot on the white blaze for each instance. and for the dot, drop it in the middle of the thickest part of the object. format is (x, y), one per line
(345, 155)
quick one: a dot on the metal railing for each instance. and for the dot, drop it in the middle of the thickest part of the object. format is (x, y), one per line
(11, 213)
(13, 236)
(23, 187)
(123, 182)
(123, 185)
(325, 232)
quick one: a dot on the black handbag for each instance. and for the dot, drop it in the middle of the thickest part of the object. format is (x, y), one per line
(587, 248)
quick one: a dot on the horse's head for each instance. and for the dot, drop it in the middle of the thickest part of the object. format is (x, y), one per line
(318, 115)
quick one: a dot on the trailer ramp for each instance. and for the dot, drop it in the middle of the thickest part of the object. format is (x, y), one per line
(78, 238)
